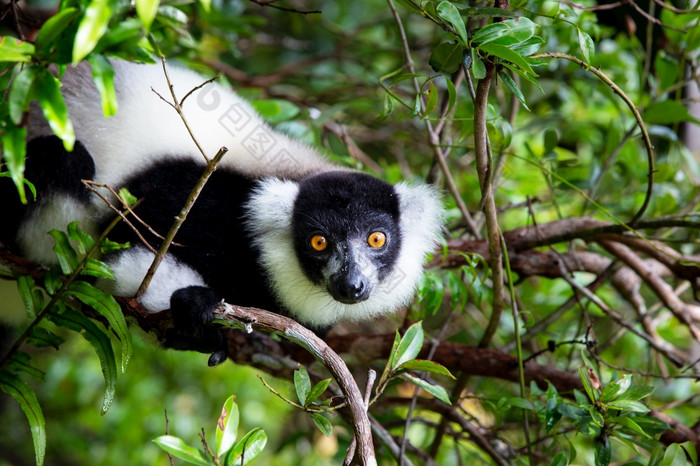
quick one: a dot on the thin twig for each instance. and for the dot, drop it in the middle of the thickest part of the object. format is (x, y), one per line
(645, 134)
(433, 135)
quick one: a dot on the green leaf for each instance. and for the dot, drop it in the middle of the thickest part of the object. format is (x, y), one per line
(14, 149)
(317, 391)
(508, 32)
(436, 390)
(586, 45)
(674, 456)
(206, 5)
(52, 281)
(97, 268)
(448, 12)
(629, 423)
(103, 76)
(25, 396)
(107, 246)
(560, 459)
(25, 286)
(689, 447)
(504, 53)
(668, 112)
(447, 57)
(21, 362)
(426, 366)
(387, 107)
(91, 28)
(53, 28)
(432, 100)
(15, 50)
(409, 346)
(54, 108)
(84, 240)
(227, 426)
(179, 449)
(21, 92)
(250, 447)
(100, 342)
(489, 33)
(528, 47)
(302, 384)
(323, 424)
(126, 197)
(513, 87)
(603, 451)
(628, 405)
(44, 338)
(146, 10)
(108, 307)
(616, 388)
(67, 256)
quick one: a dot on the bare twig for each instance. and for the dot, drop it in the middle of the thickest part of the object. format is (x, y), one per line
(247, 319)
(645, 134)
(434, 138)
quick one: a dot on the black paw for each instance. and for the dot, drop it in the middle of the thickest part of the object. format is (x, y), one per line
(192, 309)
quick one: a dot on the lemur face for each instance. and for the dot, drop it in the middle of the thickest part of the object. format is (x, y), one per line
(346, 233)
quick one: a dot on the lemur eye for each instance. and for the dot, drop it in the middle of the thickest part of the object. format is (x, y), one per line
(319, 243)
(376, 239)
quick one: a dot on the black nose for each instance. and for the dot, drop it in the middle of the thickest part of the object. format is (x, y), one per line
(349, 288)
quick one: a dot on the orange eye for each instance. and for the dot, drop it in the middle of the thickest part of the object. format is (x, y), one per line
(319, 243)
(376, 239)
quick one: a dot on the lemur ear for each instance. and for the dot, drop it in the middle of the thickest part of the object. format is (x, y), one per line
(271, 205)
(422, 216)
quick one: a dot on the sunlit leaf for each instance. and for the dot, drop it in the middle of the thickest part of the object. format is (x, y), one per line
(448, 12)
(426, 366)
(15, 50)
(409, 346)
(100, 342)
(91, 28)
(227, 426)
(586, 45)
(54, 108)
(179, 449)
(103, 76)
(146, 11)
(108, 307)
(317, 390)
(436, 390)
(250, 446)
(25, 396)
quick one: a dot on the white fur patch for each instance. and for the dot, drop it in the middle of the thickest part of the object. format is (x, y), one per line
(270, 210)
(33, 237)
(131, 266)
(146, 130)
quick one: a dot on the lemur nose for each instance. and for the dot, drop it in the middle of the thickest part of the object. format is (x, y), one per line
(350, 288)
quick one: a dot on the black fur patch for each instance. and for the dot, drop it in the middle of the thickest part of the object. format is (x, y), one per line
(343, 206)
(52, 170)
(213, 239)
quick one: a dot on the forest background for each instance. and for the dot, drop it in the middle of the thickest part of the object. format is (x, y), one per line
(565, 139)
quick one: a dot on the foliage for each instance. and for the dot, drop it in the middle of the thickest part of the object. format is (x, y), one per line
(227, 451)
(401, 82)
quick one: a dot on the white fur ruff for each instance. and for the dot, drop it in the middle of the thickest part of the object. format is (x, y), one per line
(270, 220)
